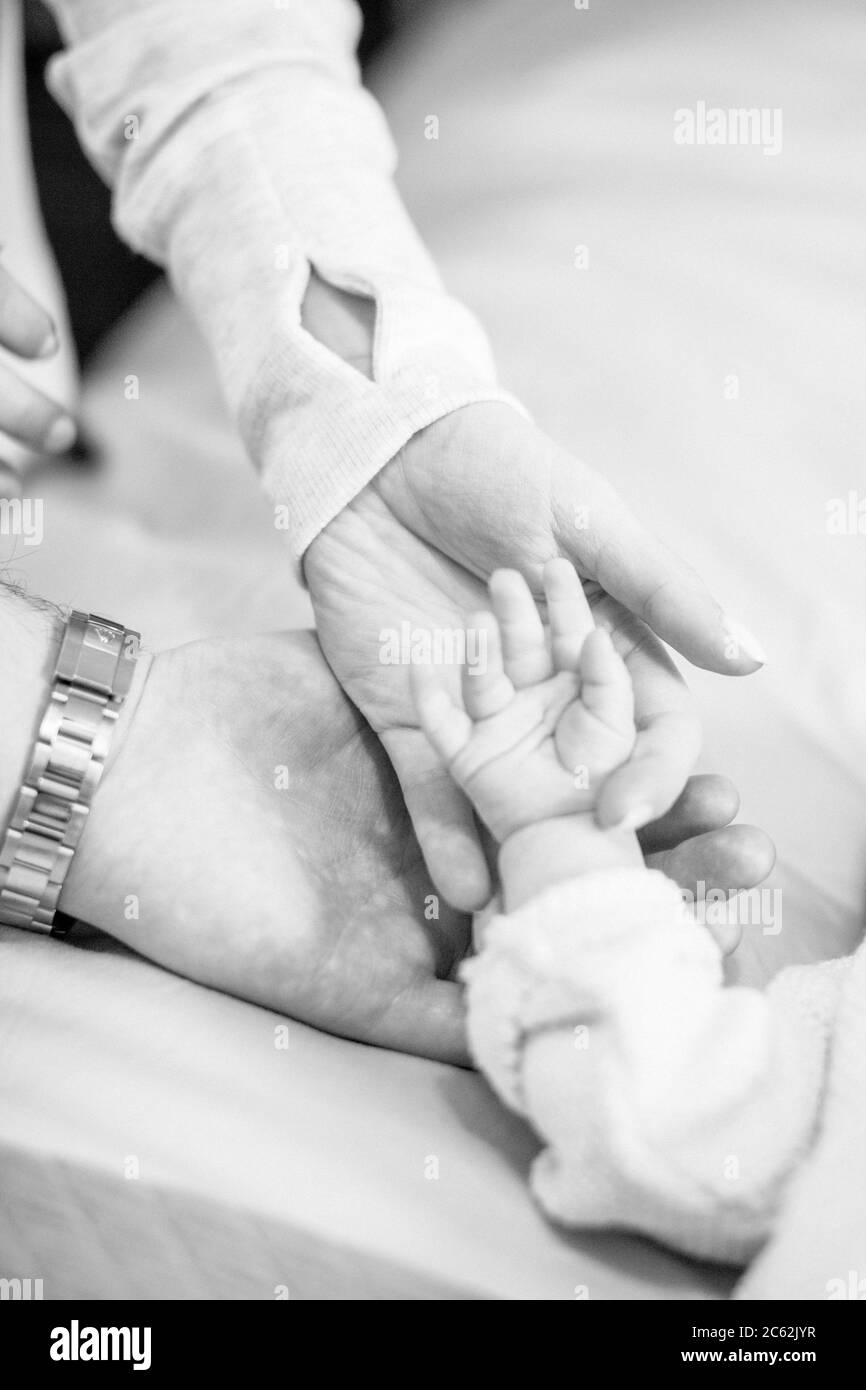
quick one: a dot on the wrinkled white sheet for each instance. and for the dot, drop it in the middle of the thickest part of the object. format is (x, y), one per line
(305, 1168)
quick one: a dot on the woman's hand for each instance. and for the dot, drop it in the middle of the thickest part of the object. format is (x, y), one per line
(480, 490)
(25, 413)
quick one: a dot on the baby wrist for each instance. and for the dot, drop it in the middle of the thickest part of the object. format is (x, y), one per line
(538, 856)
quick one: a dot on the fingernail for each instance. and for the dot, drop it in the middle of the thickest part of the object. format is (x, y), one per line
(739, 641)
(49, 345)
(636, 818)
(61, 435)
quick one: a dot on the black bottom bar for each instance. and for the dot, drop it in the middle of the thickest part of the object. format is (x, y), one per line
(161, 1339)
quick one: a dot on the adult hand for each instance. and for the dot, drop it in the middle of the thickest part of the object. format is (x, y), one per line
(250, 834)
(481, 489)
(25, 413)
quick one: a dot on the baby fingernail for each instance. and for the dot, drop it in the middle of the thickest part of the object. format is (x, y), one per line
(739, 641)
(61, 435)
(636, 818)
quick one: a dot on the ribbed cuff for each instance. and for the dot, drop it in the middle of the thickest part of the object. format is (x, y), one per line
(543, 965)
(314, 474)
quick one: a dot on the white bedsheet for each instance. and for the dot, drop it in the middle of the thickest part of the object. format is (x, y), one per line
(306, 1168)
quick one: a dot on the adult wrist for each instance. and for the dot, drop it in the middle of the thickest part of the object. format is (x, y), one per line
(31, 633)
(471, 421)
(64, 718)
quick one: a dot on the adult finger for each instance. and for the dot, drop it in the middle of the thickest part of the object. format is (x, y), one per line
(25, 327)
(442, 818)
(612, 547)
(731, 859)
(726, 861)
(428, 1020)
(707, 802)
(32, 418)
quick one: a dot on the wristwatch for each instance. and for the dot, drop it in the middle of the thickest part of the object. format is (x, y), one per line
(91, 681)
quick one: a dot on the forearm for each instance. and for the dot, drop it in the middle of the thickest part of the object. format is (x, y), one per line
(243, 152)
(343, 323)
(30, 635)
(554, 851)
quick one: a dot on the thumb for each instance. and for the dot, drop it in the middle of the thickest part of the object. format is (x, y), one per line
(606, 542)
(442, 818)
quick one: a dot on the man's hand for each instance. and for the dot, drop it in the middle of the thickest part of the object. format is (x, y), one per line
(250, 834)
(25, 413)
(480, 490)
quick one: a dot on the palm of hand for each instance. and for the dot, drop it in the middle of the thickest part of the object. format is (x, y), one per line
(272, 856)
(369, 575)
(546, 754)
(544, 716)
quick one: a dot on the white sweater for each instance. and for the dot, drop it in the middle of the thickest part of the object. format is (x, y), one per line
(668, 1103)
(242, 150)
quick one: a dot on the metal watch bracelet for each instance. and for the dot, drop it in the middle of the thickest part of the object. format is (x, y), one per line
(91, 681)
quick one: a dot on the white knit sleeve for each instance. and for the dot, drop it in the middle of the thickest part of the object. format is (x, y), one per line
(243, 151)
(667, 1103)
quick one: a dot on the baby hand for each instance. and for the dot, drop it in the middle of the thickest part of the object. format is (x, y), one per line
(542, 723)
